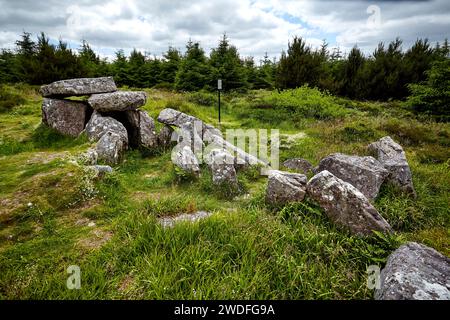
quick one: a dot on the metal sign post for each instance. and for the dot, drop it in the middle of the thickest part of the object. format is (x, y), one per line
(219, 88)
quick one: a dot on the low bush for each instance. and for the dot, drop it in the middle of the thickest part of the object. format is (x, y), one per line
(9, 99)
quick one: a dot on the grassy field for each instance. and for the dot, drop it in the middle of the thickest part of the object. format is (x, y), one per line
(54, 213)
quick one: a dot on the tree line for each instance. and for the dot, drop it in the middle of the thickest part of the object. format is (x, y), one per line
(388, 73)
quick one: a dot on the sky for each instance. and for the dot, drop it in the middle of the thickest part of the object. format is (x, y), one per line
(253, 26)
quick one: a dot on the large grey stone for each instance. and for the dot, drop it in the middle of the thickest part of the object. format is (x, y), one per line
(177, 118)
(415, 272)
(242, 158)
(299, 164)
(184, 158)
(79, 87)
(393, 158)
(365, 173)
(345, 205)
(190, 134)
(141, 129)
(222, 168)
(65, 116)
(165, 136)
(98, 125)
(117, 101)
(285, 187)
(111, 147)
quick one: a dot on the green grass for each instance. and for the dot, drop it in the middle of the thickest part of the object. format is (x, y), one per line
(54, 213)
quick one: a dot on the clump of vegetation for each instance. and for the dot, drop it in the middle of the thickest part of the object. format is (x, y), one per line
(433, 96)
(305, 102)
(9, 99)
(203, 98)
(357, 132)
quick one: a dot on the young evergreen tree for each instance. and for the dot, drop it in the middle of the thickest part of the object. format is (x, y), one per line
(170, 65)
(136, 73)
(194, 72)
(433, 96)
(227, 65)
(298, 66)
(25, 58)
(90, 61)
(353, 82)
(119, 68)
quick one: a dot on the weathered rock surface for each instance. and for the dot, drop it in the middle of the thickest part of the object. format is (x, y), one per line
(117, 101)
(299, 164)
(79, 87)
(190, 134)
(110, 147)
(169, 222)
(65, 116)
(415, 272)
(345, 205)
(177, 118)
(222, 168)
(165, 136)
(184, 158)
(393, 158)
(285, 187)
(364, 173)
(142, 129)
(98, 125)
(242, 158)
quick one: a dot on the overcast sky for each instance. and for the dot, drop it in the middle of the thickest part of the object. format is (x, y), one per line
(254, 26)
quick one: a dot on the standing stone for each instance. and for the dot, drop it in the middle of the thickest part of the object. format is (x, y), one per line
(111, 147)
(79, 87)
(393, 158)
(184, 158)
(165, 136)
(364, 173)
(285, 187)
(415, 272)
(117, 101)
(222, 168)
(190, 135)
(66, 117)
(299, 164)
(142, 129)
(98, 125)
(345, 205)
(175, 118)
(242, 158)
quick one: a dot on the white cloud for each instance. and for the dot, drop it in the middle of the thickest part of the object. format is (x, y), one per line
(253, 26)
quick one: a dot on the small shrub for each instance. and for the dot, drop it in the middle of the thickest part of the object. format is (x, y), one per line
(202, 98)
(9, 99)
(163, 86)
(433, 154)
(306, 102)
(408, 132)
(170, 205)
(357, 132)
(46, 137)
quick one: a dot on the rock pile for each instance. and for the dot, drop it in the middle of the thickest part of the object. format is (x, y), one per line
(109, 117)
(199, 141)
(345, 185)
